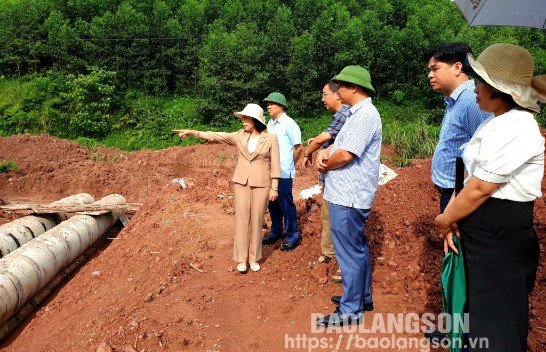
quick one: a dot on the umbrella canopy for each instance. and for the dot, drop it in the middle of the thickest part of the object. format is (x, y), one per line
(520, 13)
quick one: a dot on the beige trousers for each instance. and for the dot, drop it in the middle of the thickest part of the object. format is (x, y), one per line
(326, 244)
(250, 206)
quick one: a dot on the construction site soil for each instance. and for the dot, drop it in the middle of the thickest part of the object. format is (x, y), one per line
(167, 281)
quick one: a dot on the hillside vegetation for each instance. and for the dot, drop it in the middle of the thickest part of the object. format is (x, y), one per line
(124, 72)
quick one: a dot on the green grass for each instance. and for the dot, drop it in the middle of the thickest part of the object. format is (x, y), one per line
(311, 126)
(412, 140)
(8, 166)
(411, 129)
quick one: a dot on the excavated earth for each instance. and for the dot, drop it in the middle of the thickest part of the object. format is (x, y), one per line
(167, 281)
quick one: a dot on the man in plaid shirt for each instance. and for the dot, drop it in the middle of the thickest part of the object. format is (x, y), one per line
(331, 101)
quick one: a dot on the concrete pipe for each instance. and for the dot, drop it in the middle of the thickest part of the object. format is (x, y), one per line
(28, 308)
(28, 269)
(18, 232)
(76, 199)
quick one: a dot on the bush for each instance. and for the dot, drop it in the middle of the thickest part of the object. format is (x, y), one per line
(90, 101)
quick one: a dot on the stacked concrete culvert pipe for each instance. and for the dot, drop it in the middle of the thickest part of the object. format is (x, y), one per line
(28, 269)
(18, 232)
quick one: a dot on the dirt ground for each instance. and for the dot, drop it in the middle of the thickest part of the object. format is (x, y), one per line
(140, 293)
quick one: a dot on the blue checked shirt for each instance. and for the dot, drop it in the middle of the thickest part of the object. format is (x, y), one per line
(461, 119)
(333, 129)
(288, 134)
(337, 122)
(355, 183)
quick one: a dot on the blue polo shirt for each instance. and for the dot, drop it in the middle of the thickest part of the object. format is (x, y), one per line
(288, 134)
(461, 119)
(355, 183)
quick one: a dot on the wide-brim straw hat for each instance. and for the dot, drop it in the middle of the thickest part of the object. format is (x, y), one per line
(252, 110)
(509, 68)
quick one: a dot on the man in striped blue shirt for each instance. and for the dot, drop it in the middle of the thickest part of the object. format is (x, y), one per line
(351, 165)
(462, 115)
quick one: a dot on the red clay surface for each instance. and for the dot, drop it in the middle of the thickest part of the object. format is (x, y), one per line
(139, 292)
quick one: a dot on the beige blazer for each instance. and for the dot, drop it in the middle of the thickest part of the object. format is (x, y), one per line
(257, 168)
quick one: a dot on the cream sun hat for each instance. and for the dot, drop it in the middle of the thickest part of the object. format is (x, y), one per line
(252, 110)
(509, 68)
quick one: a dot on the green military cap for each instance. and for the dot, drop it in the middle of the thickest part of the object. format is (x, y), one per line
(357, 75)
(277, 98)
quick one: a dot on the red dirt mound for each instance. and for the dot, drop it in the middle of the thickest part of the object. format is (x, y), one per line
(167, 282)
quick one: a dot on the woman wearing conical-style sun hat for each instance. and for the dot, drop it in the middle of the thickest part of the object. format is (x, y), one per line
(493, 214)
(255, 180)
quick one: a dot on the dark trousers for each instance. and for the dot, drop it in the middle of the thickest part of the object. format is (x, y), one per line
(284, 207)
(445, 197)
(501, 256)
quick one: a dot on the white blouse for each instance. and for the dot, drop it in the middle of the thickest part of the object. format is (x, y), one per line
(251, 144)
(508, 150)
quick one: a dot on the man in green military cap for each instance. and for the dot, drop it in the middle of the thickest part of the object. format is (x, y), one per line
(289, 138)
(351, 166)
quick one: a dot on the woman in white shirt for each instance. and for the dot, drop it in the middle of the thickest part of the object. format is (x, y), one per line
(494, 211)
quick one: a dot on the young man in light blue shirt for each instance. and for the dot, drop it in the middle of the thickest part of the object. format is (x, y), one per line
(461, 118)
(462, 115)
(289, 136)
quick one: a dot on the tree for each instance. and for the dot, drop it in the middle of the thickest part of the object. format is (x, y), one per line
(21, 35)
(302, 76)
(121, 42)
(230, 71)
(279, 32)
(330, 34)
(190, 27)
(156, 72)
(64, 47)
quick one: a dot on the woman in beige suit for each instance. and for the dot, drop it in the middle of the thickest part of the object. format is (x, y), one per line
(255, 181)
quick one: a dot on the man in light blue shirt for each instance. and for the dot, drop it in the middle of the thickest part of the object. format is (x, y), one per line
(351, 165)
(462, 115)
(289, 136)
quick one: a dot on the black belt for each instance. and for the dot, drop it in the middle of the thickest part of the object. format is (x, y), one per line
(445, 190)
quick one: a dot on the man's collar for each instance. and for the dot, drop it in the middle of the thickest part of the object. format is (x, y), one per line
(343, 107)
(460, 88)
(362, 102)
(279, 118)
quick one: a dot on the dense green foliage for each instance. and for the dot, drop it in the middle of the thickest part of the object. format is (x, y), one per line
(127, 71)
